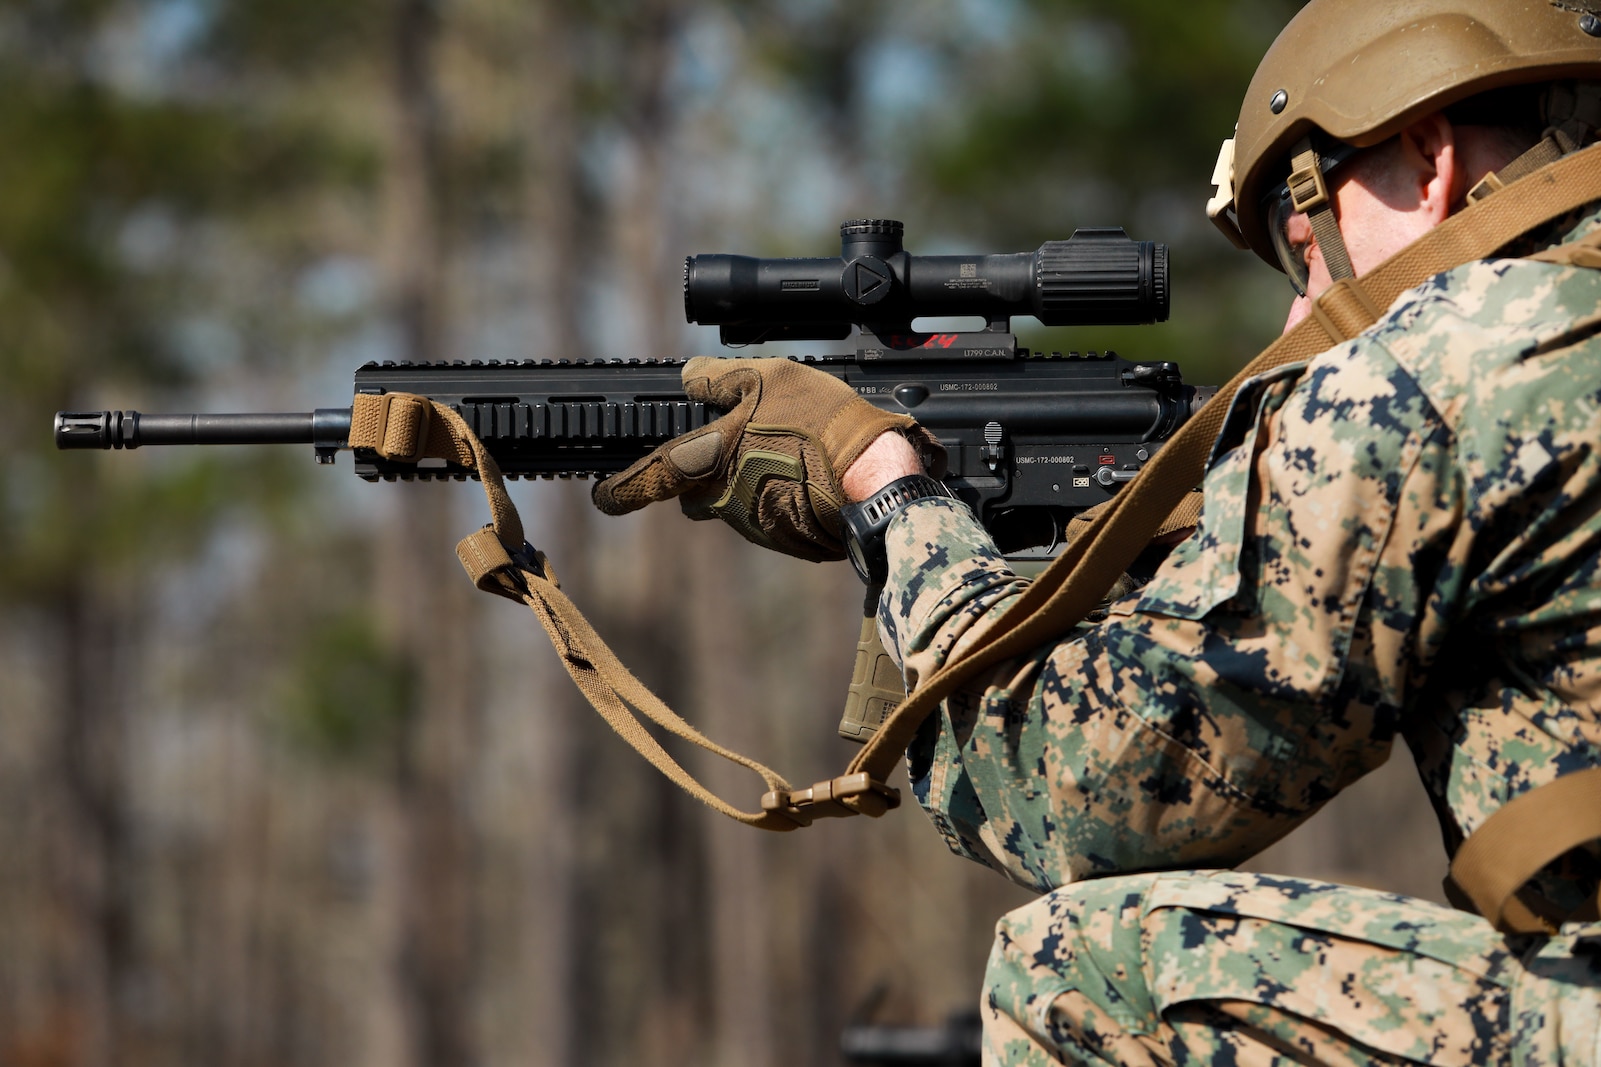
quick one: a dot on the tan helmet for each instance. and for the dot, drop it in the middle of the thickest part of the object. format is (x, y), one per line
(1362, 70)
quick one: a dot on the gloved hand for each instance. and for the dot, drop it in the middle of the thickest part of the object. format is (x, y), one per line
(770, 467)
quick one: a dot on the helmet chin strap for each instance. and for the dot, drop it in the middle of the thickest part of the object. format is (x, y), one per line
(1572, 111)
(1309, 195)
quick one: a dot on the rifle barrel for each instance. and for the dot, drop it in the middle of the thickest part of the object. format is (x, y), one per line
(325, 427)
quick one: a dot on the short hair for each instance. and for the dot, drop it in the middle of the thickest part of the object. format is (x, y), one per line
(1513, 113)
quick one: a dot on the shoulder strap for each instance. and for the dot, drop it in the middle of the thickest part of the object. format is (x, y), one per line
(1527, 833)
(499, 561)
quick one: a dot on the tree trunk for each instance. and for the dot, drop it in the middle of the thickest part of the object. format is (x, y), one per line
(89, 844)
(423, 601)
(554, 1001)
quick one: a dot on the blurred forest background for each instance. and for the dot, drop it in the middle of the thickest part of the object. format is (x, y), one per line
(276, 785)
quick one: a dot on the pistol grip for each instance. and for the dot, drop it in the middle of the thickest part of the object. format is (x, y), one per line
(876, 687)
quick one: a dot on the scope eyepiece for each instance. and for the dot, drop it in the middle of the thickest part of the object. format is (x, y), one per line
(1098, 277)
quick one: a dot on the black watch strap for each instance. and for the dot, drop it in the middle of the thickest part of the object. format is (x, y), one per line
(866, 520)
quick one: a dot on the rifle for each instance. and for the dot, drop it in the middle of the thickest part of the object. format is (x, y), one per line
(1032, 439)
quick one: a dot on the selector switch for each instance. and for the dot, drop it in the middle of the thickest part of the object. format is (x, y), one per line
(1108, 476)
(994, 451)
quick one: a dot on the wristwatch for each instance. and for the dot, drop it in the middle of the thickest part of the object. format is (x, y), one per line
(866, 520)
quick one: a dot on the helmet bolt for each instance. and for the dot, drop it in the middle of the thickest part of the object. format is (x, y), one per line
(1591, 24)
(1281, 99)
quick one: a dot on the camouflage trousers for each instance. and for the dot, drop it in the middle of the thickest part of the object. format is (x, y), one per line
(1229, 968)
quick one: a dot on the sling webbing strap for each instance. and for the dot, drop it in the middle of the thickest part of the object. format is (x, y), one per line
(1527, 833)
(1345, 309)
(1556, 143)
(499, 561)
(1060, 597)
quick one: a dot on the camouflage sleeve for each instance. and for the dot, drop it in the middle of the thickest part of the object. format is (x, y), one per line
(949, 582)
(1218, 707)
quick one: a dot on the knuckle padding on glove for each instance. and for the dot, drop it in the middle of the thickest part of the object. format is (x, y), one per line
(782, 496)
(698, 457)
(673, 468)
(740, 506)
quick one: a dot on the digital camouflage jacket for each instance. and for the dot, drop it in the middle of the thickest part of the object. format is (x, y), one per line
(1401, 536)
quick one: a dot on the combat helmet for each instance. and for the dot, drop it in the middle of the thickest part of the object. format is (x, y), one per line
(1347, 74)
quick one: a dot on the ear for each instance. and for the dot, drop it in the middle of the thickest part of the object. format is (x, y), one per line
(1434, 167)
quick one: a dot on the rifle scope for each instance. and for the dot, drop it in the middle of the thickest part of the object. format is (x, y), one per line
(1098, 277)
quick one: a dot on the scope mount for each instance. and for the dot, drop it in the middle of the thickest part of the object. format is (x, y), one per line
(894, 344)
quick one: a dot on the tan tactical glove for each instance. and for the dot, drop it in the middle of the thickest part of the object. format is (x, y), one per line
(770, 467)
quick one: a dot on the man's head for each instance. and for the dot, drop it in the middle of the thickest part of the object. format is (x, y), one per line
(1373, 119)
(1385, 197)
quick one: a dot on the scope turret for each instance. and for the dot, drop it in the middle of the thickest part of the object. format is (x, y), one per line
(1098, 277)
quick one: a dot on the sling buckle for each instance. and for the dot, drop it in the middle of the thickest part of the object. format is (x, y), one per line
(851, 794)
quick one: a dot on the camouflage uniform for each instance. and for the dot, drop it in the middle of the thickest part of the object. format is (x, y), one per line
(1401, 536)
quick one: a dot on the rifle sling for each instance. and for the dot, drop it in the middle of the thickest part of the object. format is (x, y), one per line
(499, 561)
